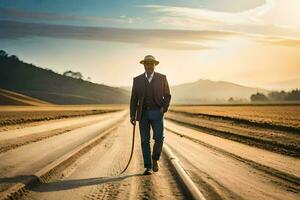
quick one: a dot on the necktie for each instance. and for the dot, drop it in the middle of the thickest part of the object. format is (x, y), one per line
(148, 77)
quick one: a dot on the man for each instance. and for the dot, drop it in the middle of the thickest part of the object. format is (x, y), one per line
(150, 99)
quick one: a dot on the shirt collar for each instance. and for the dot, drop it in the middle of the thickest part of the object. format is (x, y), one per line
(150, 75)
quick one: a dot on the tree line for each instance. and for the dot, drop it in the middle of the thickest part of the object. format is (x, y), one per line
(293, 95)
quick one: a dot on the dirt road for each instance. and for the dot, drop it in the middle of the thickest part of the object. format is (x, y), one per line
(220, 168)
(96, 175)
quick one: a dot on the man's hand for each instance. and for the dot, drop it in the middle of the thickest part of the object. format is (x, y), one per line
(162, 110)
(132, 121)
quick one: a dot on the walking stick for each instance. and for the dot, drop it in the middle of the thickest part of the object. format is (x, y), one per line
(132, 148)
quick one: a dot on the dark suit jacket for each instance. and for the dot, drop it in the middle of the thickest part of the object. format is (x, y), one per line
(161, 93)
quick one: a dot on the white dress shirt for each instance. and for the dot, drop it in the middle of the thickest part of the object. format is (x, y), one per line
(151, 76)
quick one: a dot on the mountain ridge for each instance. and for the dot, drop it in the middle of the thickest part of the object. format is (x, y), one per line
(44, 84)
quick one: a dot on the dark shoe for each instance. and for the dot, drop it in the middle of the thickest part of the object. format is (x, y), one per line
(155, 166)
(147, 172)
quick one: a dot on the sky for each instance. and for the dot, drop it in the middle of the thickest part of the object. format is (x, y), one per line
(250, 42)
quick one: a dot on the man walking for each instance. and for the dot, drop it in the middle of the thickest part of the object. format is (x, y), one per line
(150, 99)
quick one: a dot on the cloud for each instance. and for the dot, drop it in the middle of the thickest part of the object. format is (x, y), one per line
(154, 38)
(279, 17)
(30, 15)
(213, 17)
(208, 25)
(289, 42)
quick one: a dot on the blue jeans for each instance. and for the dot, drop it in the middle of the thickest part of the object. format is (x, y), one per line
(152, 117)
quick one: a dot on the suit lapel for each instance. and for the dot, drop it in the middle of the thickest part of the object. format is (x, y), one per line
(155, 78)
(143, 83)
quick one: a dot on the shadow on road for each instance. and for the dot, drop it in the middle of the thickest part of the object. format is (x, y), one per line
(70, 184)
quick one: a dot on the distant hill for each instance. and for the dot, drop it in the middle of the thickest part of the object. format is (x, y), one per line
(13, 98)
(46, 85)
(207, 91)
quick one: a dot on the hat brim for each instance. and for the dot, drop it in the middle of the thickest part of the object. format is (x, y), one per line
(154, 61)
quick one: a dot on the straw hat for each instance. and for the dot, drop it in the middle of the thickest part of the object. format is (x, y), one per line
(149, 58)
